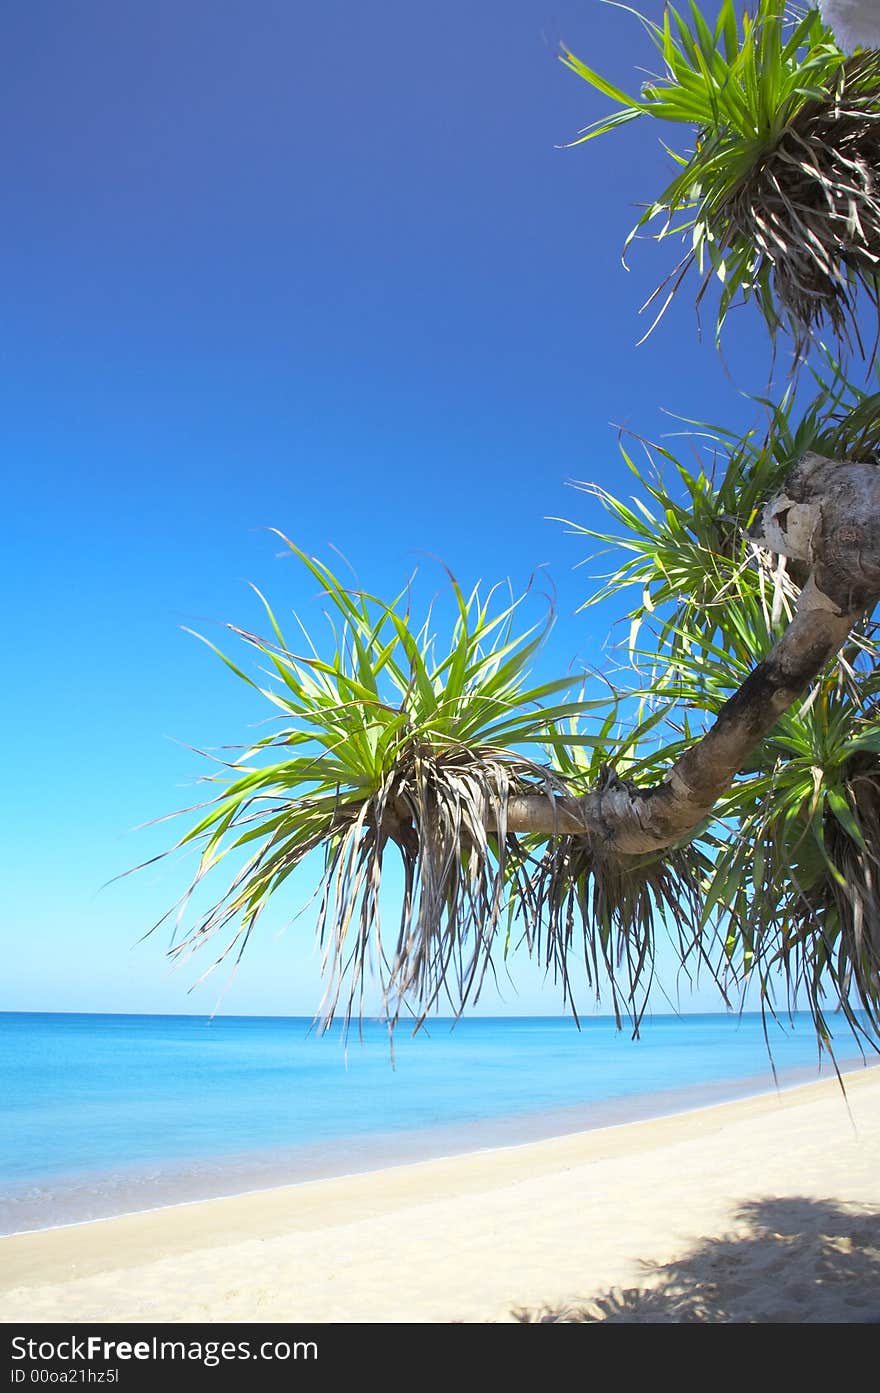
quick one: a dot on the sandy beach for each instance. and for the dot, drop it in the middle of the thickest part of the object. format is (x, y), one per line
(764, 1209)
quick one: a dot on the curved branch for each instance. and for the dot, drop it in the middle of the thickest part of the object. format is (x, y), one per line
(827, 515)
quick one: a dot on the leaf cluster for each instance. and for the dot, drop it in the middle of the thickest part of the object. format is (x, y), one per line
(386, 743)
(779, 195)
(791, 855)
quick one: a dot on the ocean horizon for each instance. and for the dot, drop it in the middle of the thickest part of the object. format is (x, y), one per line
(104, 1114)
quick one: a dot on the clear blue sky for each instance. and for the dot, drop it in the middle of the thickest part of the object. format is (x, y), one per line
(321, 268)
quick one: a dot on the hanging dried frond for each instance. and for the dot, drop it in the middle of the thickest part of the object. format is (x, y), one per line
(433, 809)
(820, 923)
(780, 194)
(810, 208)
(851, 910)
(789, 897)
(733, 801)
(385, 746)
(606, 909)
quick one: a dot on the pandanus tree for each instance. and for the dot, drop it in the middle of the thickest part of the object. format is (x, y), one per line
(732, 792)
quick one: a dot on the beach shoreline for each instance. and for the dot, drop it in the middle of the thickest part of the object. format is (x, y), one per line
(93, 1196)
(766, 1207)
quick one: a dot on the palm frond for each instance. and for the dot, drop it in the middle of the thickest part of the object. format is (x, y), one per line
(796, 852)
(686, 535)
(386, 746)
(396, 749)
(780, 195)
(606, 910)
(782, 884)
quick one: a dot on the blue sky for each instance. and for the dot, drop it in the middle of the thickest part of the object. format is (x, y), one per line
(321, 268)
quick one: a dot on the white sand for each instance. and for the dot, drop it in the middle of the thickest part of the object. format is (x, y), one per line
(766, 1209)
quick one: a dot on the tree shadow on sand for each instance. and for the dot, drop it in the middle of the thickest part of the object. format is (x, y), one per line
(787, 1259)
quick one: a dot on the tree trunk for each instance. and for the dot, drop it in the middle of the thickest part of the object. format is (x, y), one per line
(856, 23)
(827, 515)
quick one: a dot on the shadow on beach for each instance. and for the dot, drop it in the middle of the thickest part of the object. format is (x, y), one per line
(793, 1260)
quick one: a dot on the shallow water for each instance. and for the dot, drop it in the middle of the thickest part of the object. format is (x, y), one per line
(105, 1114)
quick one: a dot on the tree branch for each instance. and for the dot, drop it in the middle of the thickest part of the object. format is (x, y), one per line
(827, 515)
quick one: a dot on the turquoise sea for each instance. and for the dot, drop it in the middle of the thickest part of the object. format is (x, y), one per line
(103, 1114)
